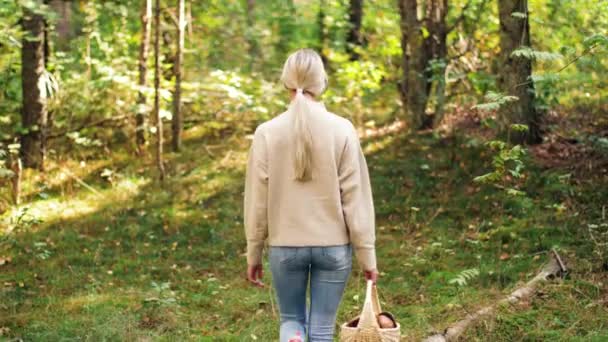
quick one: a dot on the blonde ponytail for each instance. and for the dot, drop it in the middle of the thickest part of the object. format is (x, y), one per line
(303, 71)
(303, 137)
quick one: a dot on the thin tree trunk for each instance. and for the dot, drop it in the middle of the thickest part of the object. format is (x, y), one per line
(87, 58)
(322, 33)
(254, 49)
(47, 48)
(144, 47)
(418, 52)
(354, 39)
(440, 53)
(63, 27)
(189, 20)
(17, 168)
(415, 58)
(287, 26)
(157, 75)
(34, 112)
(515, 72)
(177, 120)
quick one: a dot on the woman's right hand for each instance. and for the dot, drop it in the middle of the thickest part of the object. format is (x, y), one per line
(255, 274)
(371, 275)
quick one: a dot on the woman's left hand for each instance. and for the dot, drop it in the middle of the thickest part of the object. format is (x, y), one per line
(255, 274)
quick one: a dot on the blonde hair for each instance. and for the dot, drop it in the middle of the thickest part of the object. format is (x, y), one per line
(303, 72)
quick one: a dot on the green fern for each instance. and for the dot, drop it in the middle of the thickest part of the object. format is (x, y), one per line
(529, 53)
(494, 101)
(464, 277)
(596, 39)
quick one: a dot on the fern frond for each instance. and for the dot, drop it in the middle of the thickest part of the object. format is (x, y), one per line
(529, 53)
(494, 101)
(464, 277)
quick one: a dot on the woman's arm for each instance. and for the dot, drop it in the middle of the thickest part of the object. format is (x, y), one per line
(256, 199)
(357, 201)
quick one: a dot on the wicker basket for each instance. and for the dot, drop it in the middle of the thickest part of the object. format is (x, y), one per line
(365, 328)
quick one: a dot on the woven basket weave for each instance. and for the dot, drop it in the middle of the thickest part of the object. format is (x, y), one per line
(367, 328)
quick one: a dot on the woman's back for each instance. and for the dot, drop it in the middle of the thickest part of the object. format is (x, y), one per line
(334, 207)
(306, 213)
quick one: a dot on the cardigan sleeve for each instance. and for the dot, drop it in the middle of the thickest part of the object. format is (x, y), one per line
(256, 199)
(357, 201)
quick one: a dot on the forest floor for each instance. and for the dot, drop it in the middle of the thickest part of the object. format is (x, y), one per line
(102, 251)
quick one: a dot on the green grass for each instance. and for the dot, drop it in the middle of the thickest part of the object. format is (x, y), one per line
(133, 259)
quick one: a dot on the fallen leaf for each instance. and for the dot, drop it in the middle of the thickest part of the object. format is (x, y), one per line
(4, 260)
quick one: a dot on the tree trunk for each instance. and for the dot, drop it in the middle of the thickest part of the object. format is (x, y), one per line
(354, 39)
(45, 39)
(515, 72)
(177, 120)
(157, 75)
(287, 26)
(439, 33)
(34, 112)
(419, 52)
(63, 27)
(16, 167)
(322, 33)
(144, 47)
(252, 42)
(414, 85)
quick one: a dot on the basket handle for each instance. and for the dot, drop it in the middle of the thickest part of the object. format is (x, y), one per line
(371, 307)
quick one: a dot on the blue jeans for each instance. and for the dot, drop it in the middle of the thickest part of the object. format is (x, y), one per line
(328, 269)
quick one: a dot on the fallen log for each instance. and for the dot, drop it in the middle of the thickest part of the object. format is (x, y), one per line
(554, 268)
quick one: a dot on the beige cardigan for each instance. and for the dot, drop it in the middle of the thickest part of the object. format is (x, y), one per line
(333, 208)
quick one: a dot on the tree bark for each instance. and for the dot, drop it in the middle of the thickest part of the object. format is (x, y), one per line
(418, 52)
(354, 39)
(63, 27)
(47, 47)
(177, 120)
(252, 42)
(414, 85)
(17, 168)
(286, 25)
(439, 48)
(514, 75)
(322, 33)
(34, 112)
(157, 75)
(144, 47)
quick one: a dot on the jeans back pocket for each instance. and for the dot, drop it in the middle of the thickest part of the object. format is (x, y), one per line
(284, 255)
(337, 254)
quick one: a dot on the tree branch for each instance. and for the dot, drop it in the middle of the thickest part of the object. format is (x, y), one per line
(554, 268)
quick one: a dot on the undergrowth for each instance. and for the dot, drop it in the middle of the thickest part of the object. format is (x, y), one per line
(132, 259)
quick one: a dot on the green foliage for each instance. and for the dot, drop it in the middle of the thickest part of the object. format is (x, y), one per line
(507, 172)
(596, 40)
(359, 78)
(464, 277)
(162, 295)
(599, 236)
(494, 101)
(529, 53)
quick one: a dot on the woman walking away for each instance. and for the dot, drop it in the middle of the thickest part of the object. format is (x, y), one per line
(307, 191)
